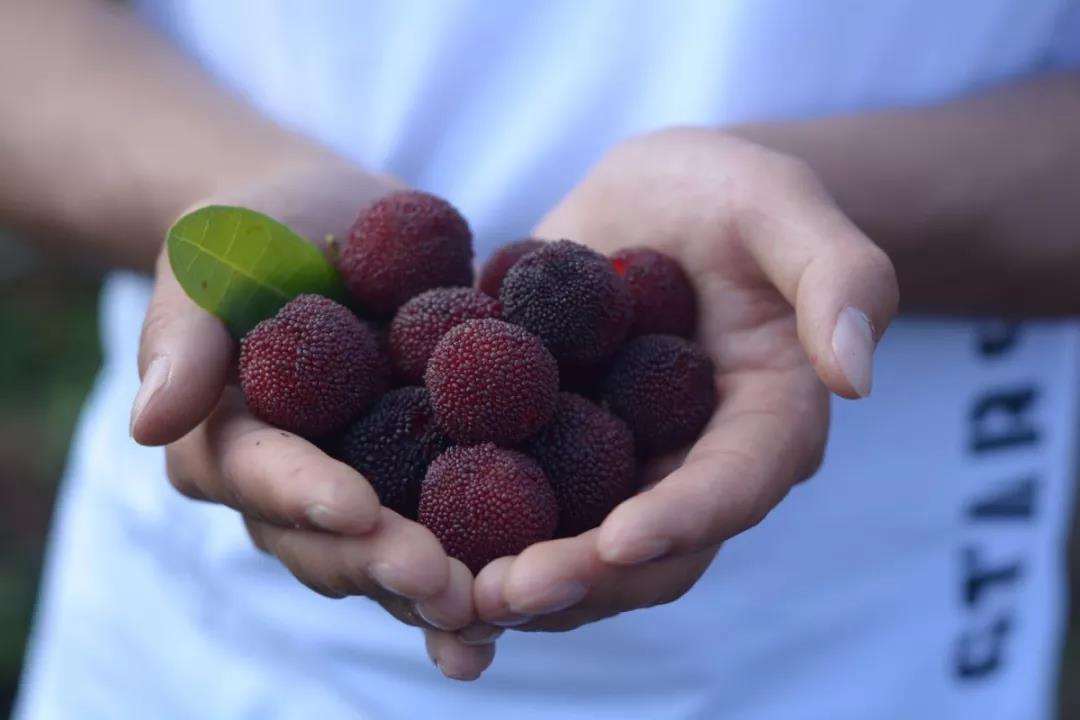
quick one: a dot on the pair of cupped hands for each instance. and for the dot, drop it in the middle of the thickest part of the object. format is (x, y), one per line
(792, 300)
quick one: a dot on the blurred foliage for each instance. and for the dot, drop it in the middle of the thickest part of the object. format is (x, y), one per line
(48, 356)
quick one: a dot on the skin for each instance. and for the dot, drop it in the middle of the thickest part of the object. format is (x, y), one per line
(774, 262)
(973, 202)
(102, 183)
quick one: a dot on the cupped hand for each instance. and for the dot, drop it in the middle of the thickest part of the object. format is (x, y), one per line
(792, 301)
(318, 516)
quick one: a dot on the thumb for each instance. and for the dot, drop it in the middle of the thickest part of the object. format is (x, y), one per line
(843, 287)
(184, 358)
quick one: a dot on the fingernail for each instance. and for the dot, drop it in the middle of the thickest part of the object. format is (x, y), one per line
(634, 552)
(432, 617)
(479, 633)
(382, 574)
(558, 597)
(155, 377)
(853, 345)
(512, 620)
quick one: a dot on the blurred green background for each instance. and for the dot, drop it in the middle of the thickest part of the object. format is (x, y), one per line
(48, 320)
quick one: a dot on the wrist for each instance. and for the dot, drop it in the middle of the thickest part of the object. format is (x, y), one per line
(905, 182)
(222, 172)
(265, 163)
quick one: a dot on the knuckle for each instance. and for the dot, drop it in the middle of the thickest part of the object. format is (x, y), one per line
(771, 170)
(402, 610)
(814, 461)
(748, 503)
(187, 487)
(739, 502)
(872, 271)
(754, 513)
(290, 550)
(319, 585)
(796, 173)
(180, 476)
(685, 573)
(883, 275)
(155, 325)
(668, 595)
(769, 181)
(259, 486)
(254, 532)
(878, 266)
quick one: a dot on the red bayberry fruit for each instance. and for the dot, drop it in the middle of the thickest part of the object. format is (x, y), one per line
(570, 297)
(422, 321)
(484, 502)
(664, 299)
(311, 368)
(588, 457)
(402, 245)
(392, 446)
(500, 262)
(490, 380)
(664, 387)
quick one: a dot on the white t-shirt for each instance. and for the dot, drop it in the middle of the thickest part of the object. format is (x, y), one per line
(919, 575)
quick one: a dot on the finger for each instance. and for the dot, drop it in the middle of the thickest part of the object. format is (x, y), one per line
(456, 659)
(452, 609)
(489, 598)
(479, 633)
(475, 633)
(534, 584)
(511, 591)
(769, 433)
(842, 286)
(184, 357)
(400, 557)
(627, 588)
(273, 475)
(401, 609)
(659, 468)
(255, 533)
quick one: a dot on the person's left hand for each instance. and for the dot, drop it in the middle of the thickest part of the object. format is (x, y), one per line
(792, 301)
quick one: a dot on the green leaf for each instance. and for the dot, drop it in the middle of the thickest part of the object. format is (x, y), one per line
(243, 266)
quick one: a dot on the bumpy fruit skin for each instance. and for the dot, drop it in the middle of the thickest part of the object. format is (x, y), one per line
(392, 446)
(484, 502)
(311, 368)
(422, 321)
(402, 245)
(588, 457)
(500, 262)
(490, 380)
(664, 388)
(571, 298)
(664, 299)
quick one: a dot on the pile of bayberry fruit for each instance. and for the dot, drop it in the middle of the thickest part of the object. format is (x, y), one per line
(497, 416)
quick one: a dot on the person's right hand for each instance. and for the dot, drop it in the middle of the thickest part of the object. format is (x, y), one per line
(318, 516)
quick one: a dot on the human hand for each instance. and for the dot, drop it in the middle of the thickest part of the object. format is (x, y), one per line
(318, 516)
(792, 301)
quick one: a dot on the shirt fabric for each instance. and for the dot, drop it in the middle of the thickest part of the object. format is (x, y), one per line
(920, 573)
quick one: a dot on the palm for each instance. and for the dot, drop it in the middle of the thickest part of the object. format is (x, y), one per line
(754, 255)
(315, 514)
